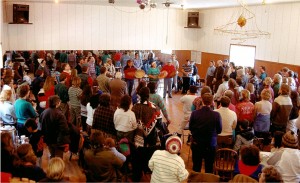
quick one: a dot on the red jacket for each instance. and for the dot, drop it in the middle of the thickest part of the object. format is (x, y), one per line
(170, 69)
(128, 72)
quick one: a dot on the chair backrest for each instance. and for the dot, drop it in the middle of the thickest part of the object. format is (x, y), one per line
(225, 159)
(258, 142)
(203, 177)
(243, 178)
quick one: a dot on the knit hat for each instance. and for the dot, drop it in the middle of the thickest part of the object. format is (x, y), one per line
(173, 144)
(290, 140)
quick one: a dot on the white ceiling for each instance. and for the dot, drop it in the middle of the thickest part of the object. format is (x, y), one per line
(189, 4)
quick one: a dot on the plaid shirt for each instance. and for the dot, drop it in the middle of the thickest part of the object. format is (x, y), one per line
(104, 120)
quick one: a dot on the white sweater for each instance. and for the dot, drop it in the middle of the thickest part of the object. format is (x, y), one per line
(124, 121)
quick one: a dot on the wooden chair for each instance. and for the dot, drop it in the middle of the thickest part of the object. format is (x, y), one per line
(243, 178)
(224, 163)
(203, 177)
(259, 142)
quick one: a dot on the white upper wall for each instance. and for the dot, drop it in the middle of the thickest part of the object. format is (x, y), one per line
(92, 27)
(281, 20)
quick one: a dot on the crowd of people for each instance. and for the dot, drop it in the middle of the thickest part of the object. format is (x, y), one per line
(61, 98)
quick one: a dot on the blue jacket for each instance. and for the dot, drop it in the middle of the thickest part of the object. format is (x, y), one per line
(205, 125)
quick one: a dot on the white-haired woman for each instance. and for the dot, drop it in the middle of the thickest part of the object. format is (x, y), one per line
(118, 88)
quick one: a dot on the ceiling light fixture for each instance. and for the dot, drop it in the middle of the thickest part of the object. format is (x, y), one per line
(56, 1)
(242, 26)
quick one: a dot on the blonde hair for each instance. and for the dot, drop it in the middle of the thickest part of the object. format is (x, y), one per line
(49, 82)
(5, 95)
(277, 78)
(56, 168)
(250, 87)
(268, 81)
(265, 94)
(245, 95)
(76, 81)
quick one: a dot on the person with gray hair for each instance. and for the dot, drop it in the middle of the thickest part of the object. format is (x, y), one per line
(277, 80)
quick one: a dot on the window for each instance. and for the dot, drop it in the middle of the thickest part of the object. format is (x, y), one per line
(242, 55)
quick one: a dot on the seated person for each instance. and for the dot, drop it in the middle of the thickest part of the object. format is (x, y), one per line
(55, 171)
(245, 135)
(7, 151)
(166, 165)
(250, 163)
(25, 164)
(287, 160)
(270, 174)
(101, 163)
(111, 146)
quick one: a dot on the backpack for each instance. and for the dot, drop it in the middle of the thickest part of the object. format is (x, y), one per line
(124, 147)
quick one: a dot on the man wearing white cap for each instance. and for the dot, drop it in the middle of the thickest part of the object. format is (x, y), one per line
(166, 165)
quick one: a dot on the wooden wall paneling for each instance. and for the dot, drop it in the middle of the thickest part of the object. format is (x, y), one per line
(38, 25)
(55, 30)
(205, 59)
(72, 26)
(47, 17)
(102, 27)
(117, 27)
(124, 29)
(110, 17)
(87, 27)
(272, 68)
(132, 28)
(80, 26)
(284, 39)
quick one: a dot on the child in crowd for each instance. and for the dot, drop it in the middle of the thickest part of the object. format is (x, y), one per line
(35, 138)
(111, 145)
(245, 136)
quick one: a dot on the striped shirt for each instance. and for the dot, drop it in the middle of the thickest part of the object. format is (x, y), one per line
(158, 101)
(167, 167)
(189, 69)
(74, 94)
